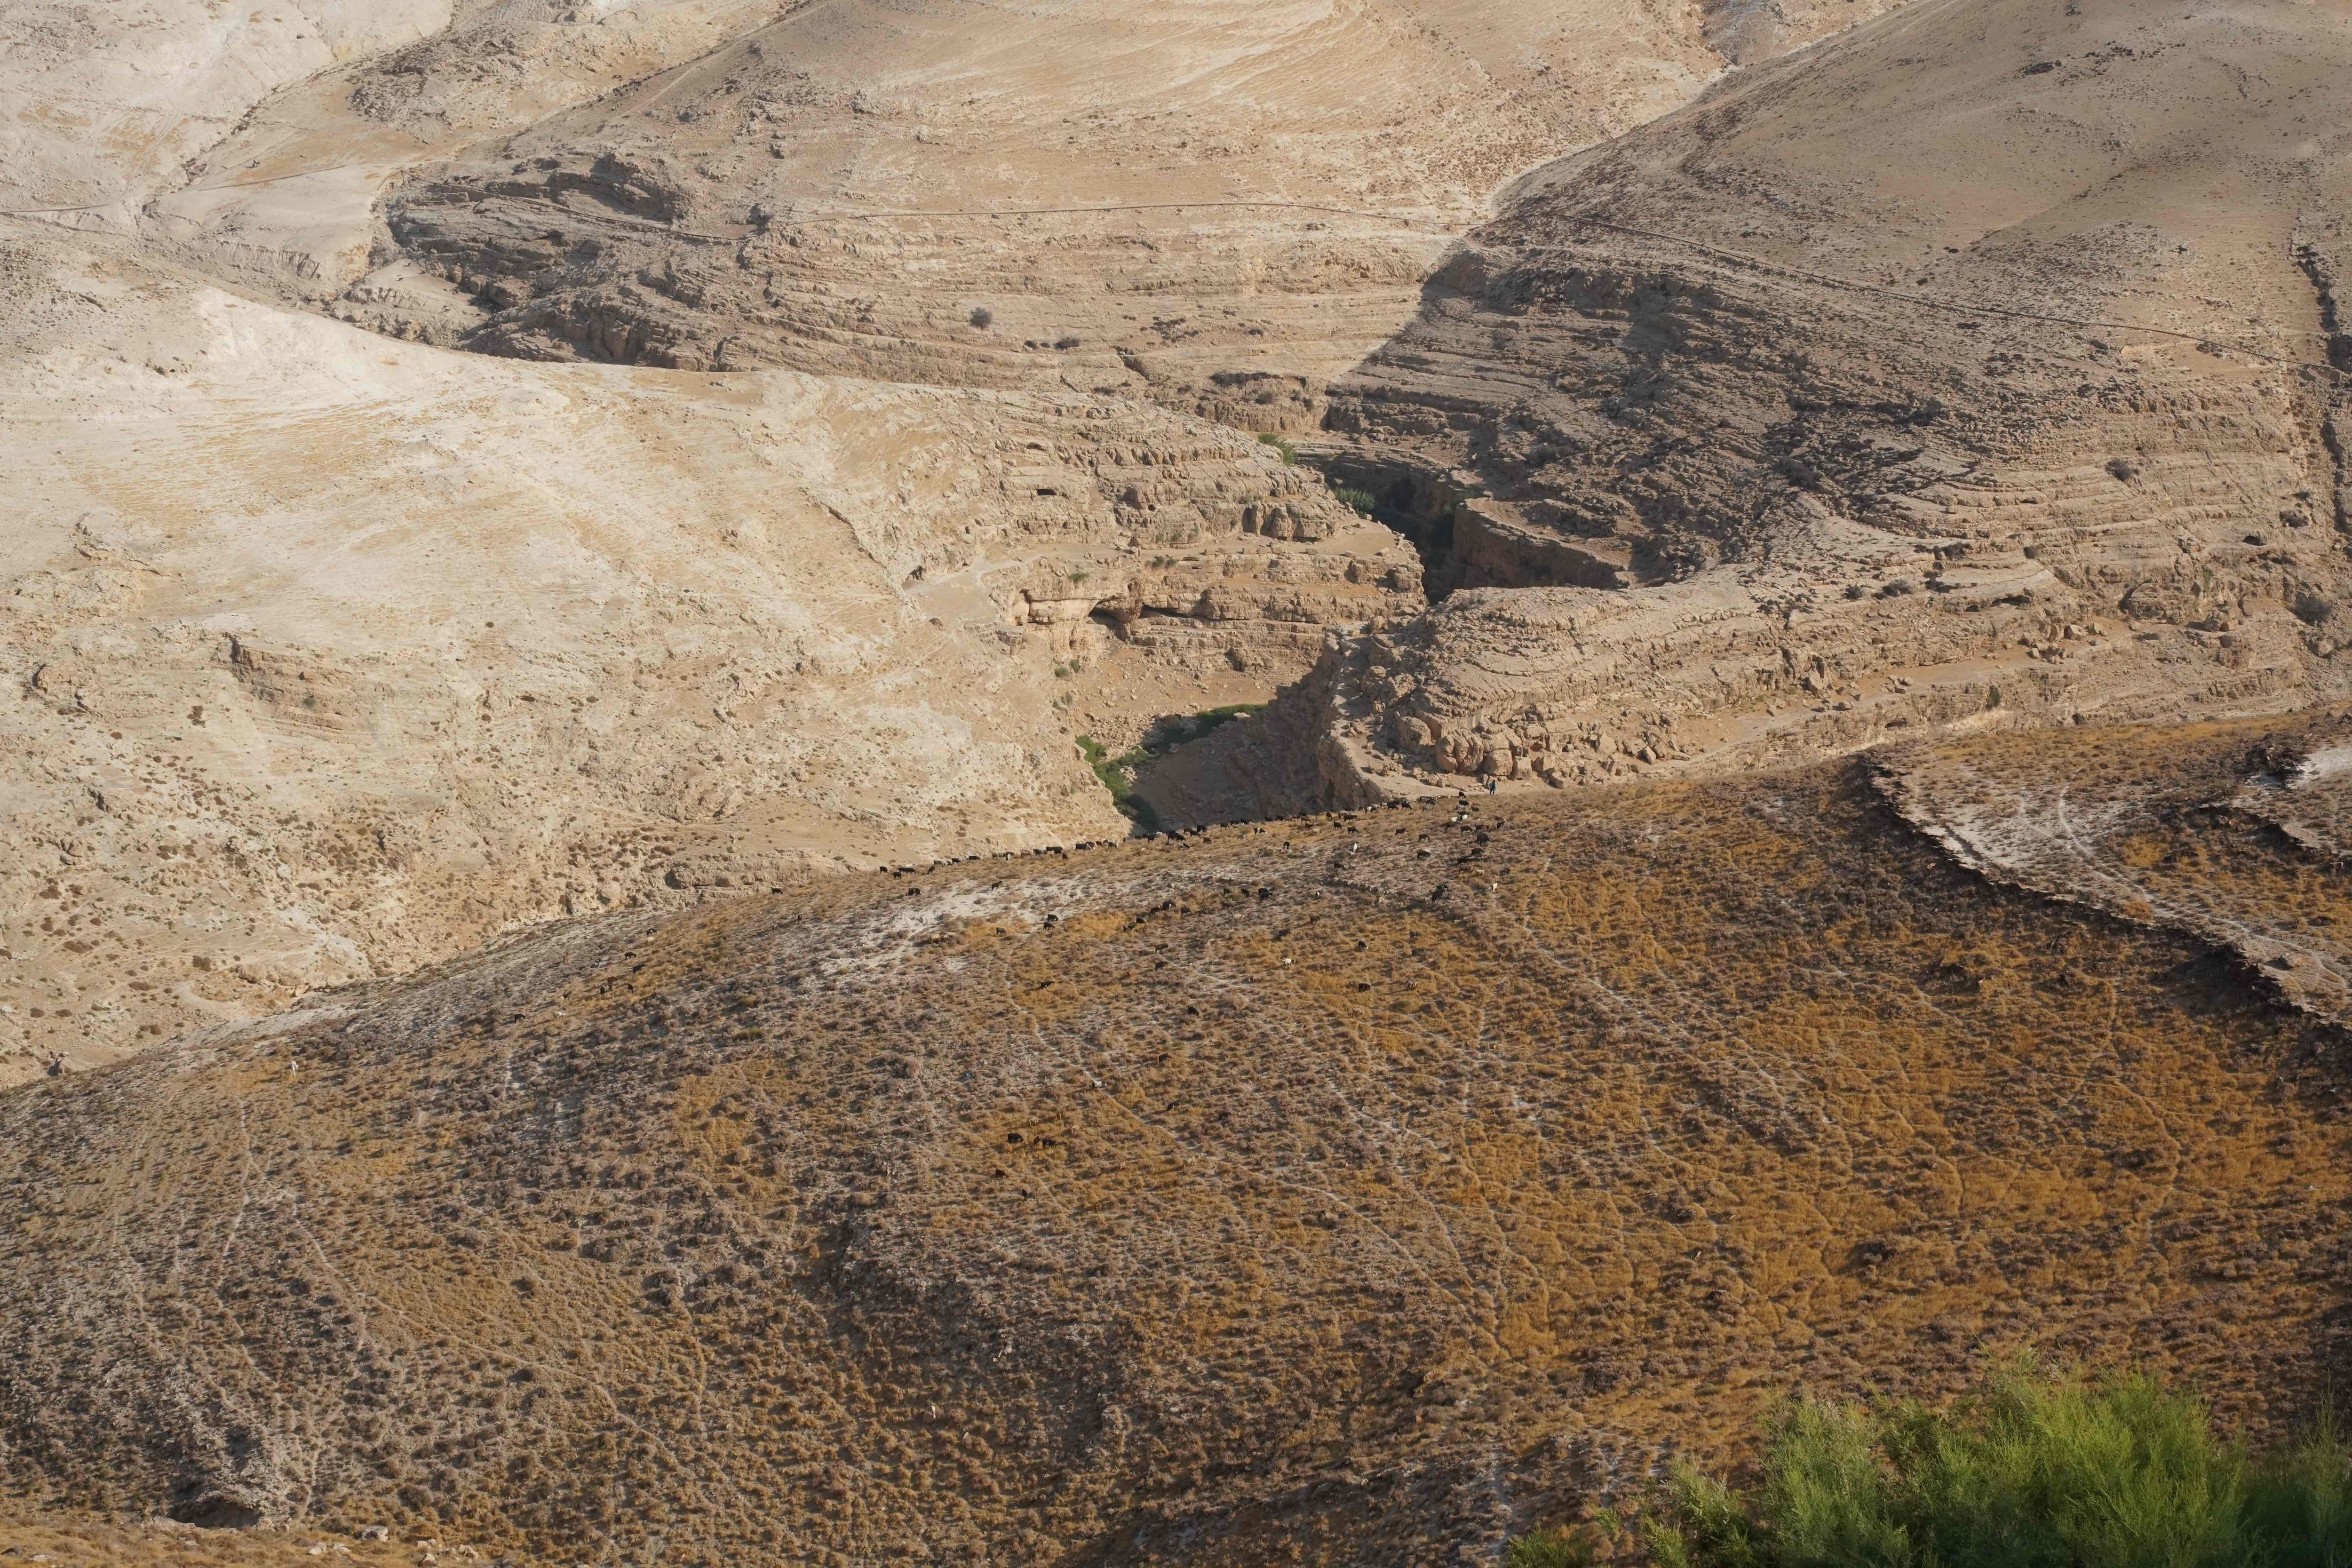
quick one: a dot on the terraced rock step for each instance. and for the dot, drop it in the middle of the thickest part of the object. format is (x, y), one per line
(1817, 414)
(1218, 205)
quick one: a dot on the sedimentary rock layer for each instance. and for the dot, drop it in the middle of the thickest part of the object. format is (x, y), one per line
(1219, 205)
(328, 655)
(1983, 364)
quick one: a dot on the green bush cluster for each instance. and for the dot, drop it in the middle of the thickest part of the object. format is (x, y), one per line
(2035, 1472)
(1118, 773)
(1552, 1549)
(1208, 720)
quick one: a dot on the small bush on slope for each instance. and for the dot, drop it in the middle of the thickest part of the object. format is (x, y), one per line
(1552, 1549)
(2034, 1471)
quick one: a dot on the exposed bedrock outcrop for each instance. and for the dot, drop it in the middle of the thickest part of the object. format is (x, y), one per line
(1813, 413)
(441, 645)
(1218, 205)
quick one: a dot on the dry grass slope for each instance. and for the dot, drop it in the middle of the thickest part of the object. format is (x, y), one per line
(1357, 1189)
(2226, 832)
(162, 1543)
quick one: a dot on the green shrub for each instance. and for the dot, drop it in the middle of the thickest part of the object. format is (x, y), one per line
(1550, 1549)
(1360, 500)
(2033, 1472)
(1211, 720)
(1117, 775)
(1289, 453)
(2301, 1498)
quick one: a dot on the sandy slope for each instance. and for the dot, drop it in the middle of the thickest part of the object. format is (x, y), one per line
(121, 116)
(106, 105)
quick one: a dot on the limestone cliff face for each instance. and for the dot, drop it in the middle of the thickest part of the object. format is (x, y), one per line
(1820, 411)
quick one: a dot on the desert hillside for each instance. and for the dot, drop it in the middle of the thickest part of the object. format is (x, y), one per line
(1985, 364)
(338, 647)
(1217, 206)
(448, 643)
(1211, 783)
(1361, 1188)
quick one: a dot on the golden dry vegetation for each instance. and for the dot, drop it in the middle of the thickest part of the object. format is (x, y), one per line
(2230, 832)
(28, 1538)
(1363, 1188)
